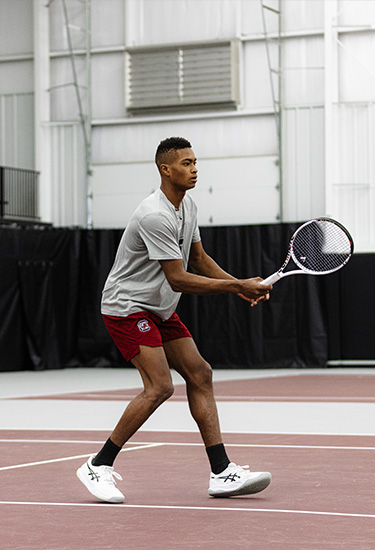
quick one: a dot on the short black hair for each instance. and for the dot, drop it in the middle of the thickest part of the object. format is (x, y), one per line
(170, 144)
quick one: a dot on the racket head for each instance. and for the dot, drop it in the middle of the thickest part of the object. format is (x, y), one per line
(321, 246)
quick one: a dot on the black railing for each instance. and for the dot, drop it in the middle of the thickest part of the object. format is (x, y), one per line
(18, 194)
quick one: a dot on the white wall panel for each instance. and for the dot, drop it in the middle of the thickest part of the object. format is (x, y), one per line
(356, 67)
(194, 20)
(354, 172)
(150, 22)
(64, 104)
(125, 179)
(356, 12)
(16, 77)
(237, 136)
(303, 70)
(256, 84)
(229, 191)
(240, 147)
(303, 163)
(355, 211)
(16, 28)
(251, 22)
(305, 15)
(17, 130)
(68, 193)
(236, 191)
(107, 23)
(77, 19)
(118, 189)
(119, 206)
(108, 86)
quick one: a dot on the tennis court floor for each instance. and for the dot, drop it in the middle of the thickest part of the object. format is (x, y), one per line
(313, 430)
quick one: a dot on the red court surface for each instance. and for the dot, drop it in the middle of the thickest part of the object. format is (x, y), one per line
(313, 388)
(322, 495)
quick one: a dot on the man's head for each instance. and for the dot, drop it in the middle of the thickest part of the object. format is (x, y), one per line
(167, 148)
(176, 162)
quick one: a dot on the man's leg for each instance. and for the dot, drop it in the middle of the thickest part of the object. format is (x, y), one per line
(157, 381)
(184, 357)
(227, 479)
(97, 473)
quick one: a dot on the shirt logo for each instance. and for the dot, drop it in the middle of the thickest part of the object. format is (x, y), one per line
(143, 325)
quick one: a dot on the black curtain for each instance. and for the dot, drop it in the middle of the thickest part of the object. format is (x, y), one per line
(51, 282)
(288, 331)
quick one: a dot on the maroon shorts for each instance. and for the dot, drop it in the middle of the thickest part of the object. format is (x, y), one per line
(143, 329)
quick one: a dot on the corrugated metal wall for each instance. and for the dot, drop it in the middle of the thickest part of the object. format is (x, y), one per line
(303, 162)
(237, 150)
(354, 169)
(67, 174)
(17, 130)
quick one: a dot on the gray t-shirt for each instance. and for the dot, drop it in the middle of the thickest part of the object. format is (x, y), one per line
(155, 232)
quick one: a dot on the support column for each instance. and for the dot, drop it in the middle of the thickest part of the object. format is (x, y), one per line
(42, 112)
(331, 97)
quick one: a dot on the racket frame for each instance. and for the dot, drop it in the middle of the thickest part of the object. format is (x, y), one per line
(304, 270)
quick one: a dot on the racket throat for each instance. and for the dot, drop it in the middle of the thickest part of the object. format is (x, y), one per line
(272, 279)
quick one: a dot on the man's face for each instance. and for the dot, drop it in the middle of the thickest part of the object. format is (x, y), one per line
(182, 169)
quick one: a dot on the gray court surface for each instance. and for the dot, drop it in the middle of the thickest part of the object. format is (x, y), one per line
(19, 411)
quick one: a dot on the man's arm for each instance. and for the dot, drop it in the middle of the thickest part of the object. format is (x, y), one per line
(203, 264)
(210, 278)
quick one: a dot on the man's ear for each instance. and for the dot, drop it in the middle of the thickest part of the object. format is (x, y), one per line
(164, 169)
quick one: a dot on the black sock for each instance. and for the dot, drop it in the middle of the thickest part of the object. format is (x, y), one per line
(106, 456)
(218, 458)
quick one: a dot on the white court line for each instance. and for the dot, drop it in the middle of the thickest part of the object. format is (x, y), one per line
(190, 431)
(191, 508)
(145, 446)
(99, 396)
(166, 443)
(160, 443)
(170, 443)
(62, 441)
(312, 398)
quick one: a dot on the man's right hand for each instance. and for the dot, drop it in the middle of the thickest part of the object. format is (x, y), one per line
(254, 291)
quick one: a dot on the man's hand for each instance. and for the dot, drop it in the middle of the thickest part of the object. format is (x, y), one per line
(253, 302)
(253, 291)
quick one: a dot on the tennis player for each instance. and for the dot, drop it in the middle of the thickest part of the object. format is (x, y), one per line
(139, 301)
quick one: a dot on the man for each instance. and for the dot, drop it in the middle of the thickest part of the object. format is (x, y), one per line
(138, 306)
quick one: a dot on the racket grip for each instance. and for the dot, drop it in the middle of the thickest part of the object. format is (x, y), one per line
(272, 279)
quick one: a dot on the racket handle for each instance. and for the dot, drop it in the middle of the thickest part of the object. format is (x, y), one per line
(272, 279)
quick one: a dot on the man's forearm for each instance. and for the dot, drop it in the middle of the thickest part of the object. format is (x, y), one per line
(211, 279)
(191, 283)
(209, 268)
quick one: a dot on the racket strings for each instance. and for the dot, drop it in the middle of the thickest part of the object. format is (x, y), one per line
(321, 246)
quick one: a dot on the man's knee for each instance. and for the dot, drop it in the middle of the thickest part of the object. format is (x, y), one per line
(161, 392)
(202, 375)
(167, 391)
(206, 374)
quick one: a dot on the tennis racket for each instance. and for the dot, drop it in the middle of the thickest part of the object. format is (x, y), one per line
(318, 247)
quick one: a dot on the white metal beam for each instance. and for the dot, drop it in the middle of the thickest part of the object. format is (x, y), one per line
(42, 107)
(331, 93)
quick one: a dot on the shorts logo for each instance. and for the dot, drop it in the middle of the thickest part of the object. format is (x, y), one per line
(143, 325)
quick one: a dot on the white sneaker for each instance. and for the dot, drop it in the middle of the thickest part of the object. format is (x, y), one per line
(235, 480)
(99, 481)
